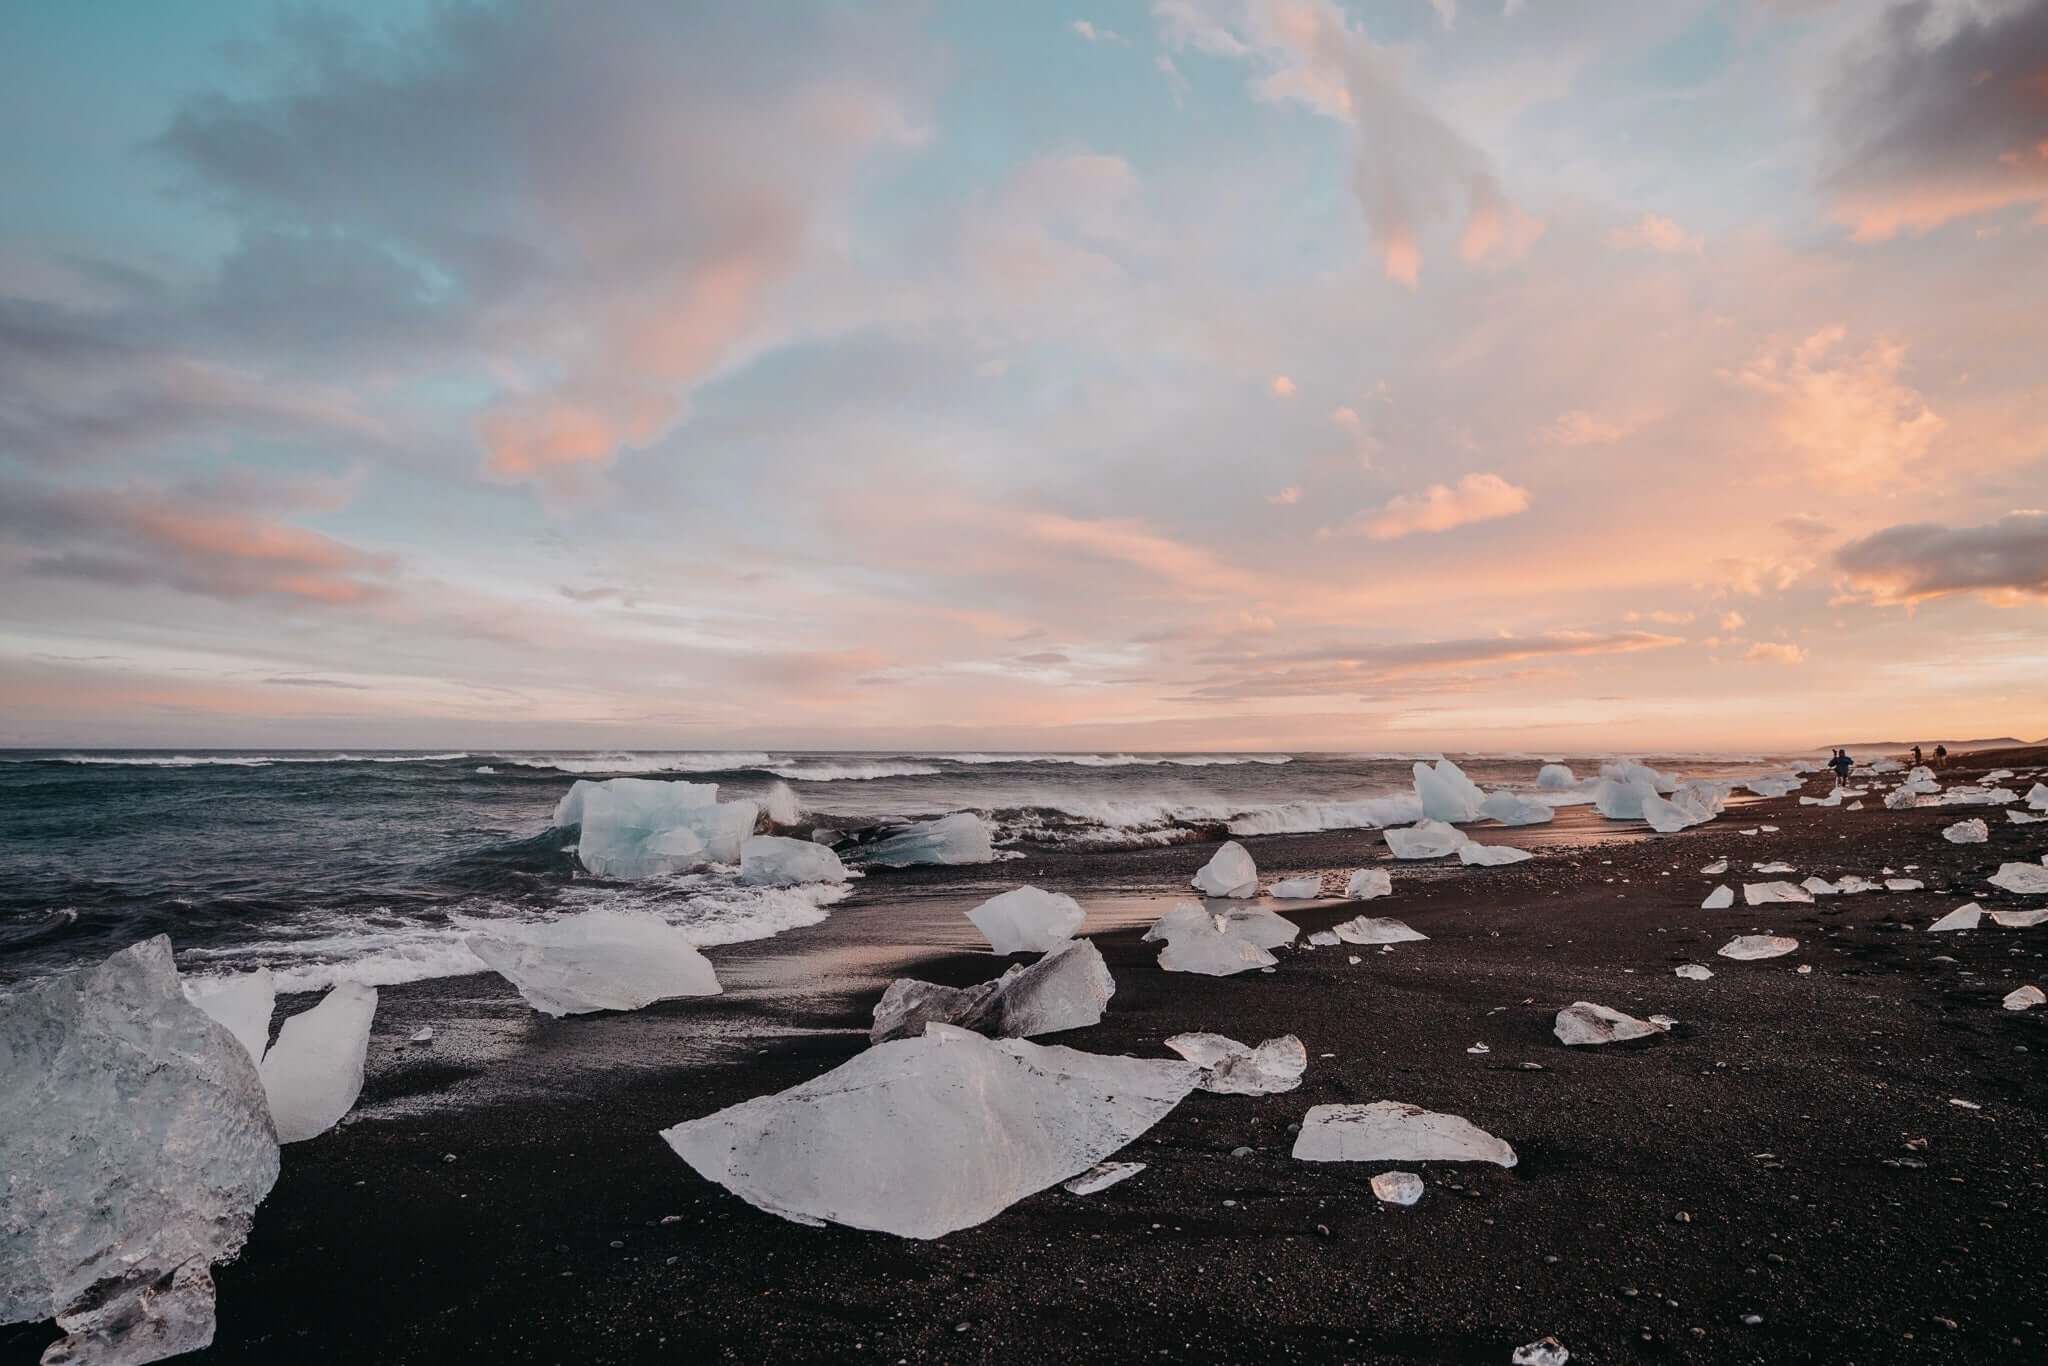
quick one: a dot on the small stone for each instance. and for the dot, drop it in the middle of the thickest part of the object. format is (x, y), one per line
(1752, 1320)
(1682, 1217)
(1240, 1152)
(447, 1157)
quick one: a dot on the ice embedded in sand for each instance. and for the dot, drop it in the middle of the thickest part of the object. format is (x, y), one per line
(2026, 998)
(1368, 929)
(135, 1145)
(1770, 893)
(1720, 899)
(1446, 793)
(1027, 920)
(2019, 920)
(1475, 854)
(1306, 888)
(923, 1136)
(962, 837)
(314, 1072)
(1555, 778)
(2026, 879)
(1394, 1131)
(1424, 839)
(1511, 808)
(1229, 872)
(1971, 831)
(777, 861)
(600, 959)
(1964, 917)
(1583, 1022)
(1367, 883)
(1746, 948)
(1102, 1176)
(1397, 1188)
(1693, 972)
(1235, 1069)
(242, 1001)
(1068, 988)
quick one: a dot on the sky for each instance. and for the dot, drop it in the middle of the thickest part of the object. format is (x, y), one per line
(1200, 374)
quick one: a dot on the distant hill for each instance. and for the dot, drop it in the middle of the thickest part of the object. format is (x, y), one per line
(1927, 746)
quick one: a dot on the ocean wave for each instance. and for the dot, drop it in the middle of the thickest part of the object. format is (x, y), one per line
(635, 761)
(170, 761)
(1118, 760)
(850, 772)
(1129, 823)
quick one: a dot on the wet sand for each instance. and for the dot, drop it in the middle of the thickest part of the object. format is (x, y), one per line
(503, 1195)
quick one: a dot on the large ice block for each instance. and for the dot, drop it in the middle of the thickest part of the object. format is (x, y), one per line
(1511, 808)
(1229, 872)
(242, 1001)
(777, 861)
(1394, 1131)
(1425, 839)
(1234, 1069)
(1068, 988)
(1446, 793)
(962, 837)
(1027, 920)
(314, 1072)
(598, 960)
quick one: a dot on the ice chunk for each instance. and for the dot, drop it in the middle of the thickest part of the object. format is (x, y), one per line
(1394, 1131)
(1367, 883)
(1068, 988)
(1473, 853)
(1102, 1176)
(924, 1136)
(1027, 920)
(2026, 998)
(1768, 893)
(314, 1072)
(1961, 918)
(1692, 972)
(1306, 888)
(2037, 797)
(2024, 818)
(1720, 899)
(600, 959)
(629, 835)
(1323, 939)
(1555, 778)
(1773, 868)
(1424, 839)
(776, 861)
(1446, 793)
(1833, 798)
(135, 1145)
(1746, 948)
(1819, 886)
(1775, 784)
(781, 806)
(1231, 1068)
(1397, 1188)
(1229, 872)
(1542, 1352)
(1583, 1022)
(1206, 945)
(1366, 929)
(2027, 879)
(242, 1001)
(1716, 868)
(1903, 884)
(647, 802)
(1622, 799)
(1967, 832)
(2019, 920)
(424, 1034)
(962, 837)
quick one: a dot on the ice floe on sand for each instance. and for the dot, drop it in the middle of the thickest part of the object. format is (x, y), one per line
(1367, 929)
(1068, 988)
(1236, 1069)
(1395, 1131)
(1367, 883)
(1746, 948)
(314, 1072)
(1027, 920)
(1582, 1023)
(601, 959)
(1425, 839)
(1219, 945)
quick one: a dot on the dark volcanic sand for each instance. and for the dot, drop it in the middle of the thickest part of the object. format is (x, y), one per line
(1737, 1167)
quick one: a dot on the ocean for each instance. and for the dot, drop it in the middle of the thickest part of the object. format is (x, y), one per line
(373, 865)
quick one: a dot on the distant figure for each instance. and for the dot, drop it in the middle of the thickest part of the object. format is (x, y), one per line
(1941, 756)
(1916, 756)
(1841, 764)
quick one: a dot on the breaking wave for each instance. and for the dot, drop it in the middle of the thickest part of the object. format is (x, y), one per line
(624, 761)
(853, 772)
(1118, 760)
(1128, 823)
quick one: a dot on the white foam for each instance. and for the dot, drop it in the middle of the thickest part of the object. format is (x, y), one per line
(1118, 760)
(850, 772)
(624, 761)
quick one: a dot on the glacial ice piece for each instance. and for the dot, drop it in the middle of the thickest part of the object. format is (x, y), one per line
(135, 1145)
(1234, 1069)
(1027, 920)
(1102, 1176)
(2026, 879)
(777, 861)
(924, 1136)
(2037, 797)
(781, 806)
(1964, 917)
(314, 1072)
(1622, 800)
(1720, 899)
(1542, 1352)
(1397, 1188)
(1394, 1131)
(1716, 868)
(1259, 926)
(1967, 832)
(1775, 784)
(1693, 972)
(1474, 854)
(1555, 778)
(1853, 884)
(2019, 920)
(1206, 945)
(242, 1001)
(1367, 929)
(632, 833)
(1747, 948)
(2024, 818)
(962, 837)
(1323, 939)
(650, 803)
(600, 959)
(1511, 808)
(2026, 998)
(1768, 893)
(1446, 793)
(1818, 886)
(1693, 802)
(1424, 839)
(1833, 798)
(1903, 884)
(1367, 883)
(1068, 988)
(1229, 872)
(1306, 888)
(1774, 867)
(1583, 1022)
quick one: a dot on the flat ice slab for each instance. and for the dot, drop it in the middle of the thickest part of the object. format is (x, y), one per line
(1235, 1069)
(242, 1001)
(2026, 879)
(1306, 888)
(1720, 899)
(1394, 1131)
(1972, 831)
(1367, 883)
(1582, 1023)
(924, 1136)
(1747, 948)
(1769, 893)
(599, 960)
(2026, 998)
(1480, 855)
(1424, 839)
(1961, 918)
(1370, 929)
(1068, 988)
(778, 861)
(1027, 920)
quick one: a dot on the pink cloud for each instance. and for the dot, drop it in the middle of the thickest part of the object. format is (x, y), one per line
(1441, 507)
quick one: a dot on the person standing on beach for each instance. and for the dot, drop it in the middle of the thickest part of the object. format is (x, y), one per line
(1916, 756)
(1841, 764)
(1941, 756)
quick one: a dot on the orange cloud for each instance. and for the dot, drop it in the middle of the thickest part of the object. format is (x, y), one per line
(1441, 507)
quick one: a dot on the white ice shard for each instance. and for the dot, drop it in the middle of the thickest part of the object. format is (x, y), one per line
(1204, 944)
(1397, 1188)
(1555, 778)
(1768, 893)
(1819, 886)
(648, 802)
(600, 959)
(1851, 884)
(2027, 879)
(1542, 1352)
(2018, 817)
(1720, 899)
(1323, 939)
(1692, 972)
(1773, 868)
(1583, 1022)
(314, 1072)
(135, 1145)
(1367, 929)
(1775, 784)
(1903, 884)
(1306, 888)
(1964, 917)
(1694, 802)
(962, 837)
(2019, 920)
(2026, 998)
(1446, 793)
(1622, 799)
(1102, 1176)
(1475, 854)
(1068, 988)
(777, 861)
(1367, 883)
(1967, 832)
(1235, 1069)
(1394, 1131)
(1511, 808)
(1833, 798)
(781, 806)
(1747, 948)
(2037, 797)
(1424, 839)
(924, 1136)
(242, 1001)
(1027, 920)
(1259, 926)
(1229, 872)
(1716, 868)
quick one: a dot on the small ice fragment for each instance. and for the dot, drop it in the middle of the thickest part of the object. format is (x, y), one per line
(1961, 1104)
(1768, 829)
(1583, 1022)
(1199, 942)
(1664, 1021)
(600, 959)
(1767, 893)
(1473, 853)
(1716, 868)
(2018, 817)
(1229, 872)
(1231, 1068)
(1324, 939)
(1692, 972)
(1394, 1131)
(1102, 1176)
(1963, 917)
(1804, 969)
(1745, 948)
(1354, 959)
(778, 861)
(1479, 1050)
(243, 1002)
(1773, 868)
(1424, 839)
(2019, 920)
(2026, 998)
(424, 1034)
(1971, 831)
(1720, 899)
(1027, 920)
(1544, 1352)
(1397, 1188)
(314, 1072)
(2026, 879)
(1068, 988)
(1367, 883)
(1903, 884)
(1367, 929)
(1306, 888)
(1820, 886)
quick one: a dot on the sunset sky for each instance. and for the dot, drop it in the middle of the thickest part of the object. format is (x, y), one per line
(1206, 374)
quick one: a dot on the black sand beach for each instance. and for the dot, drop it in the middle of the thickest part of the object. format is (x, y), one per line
(1789, 1153)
